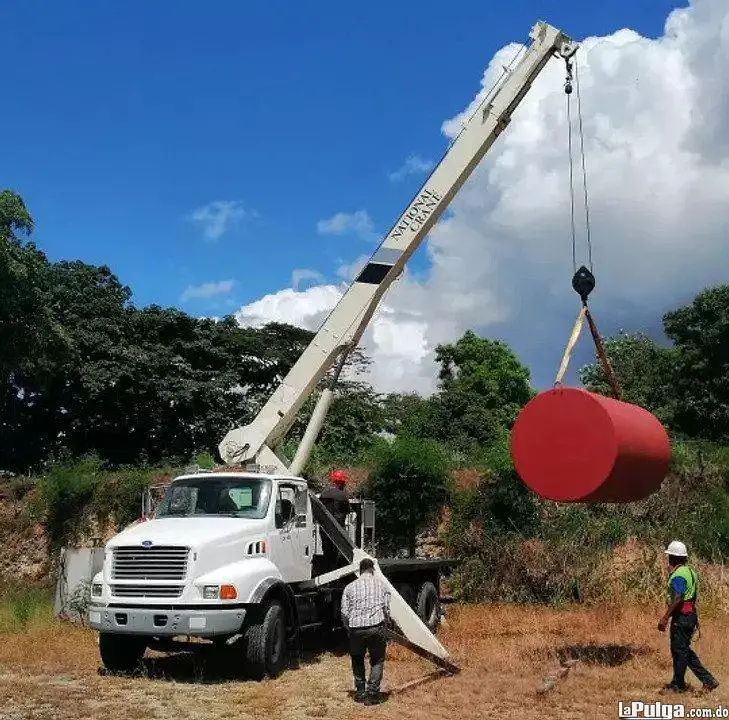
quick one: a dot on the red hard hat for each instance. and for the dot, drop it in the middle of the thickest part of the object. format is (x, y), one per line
(338, 477)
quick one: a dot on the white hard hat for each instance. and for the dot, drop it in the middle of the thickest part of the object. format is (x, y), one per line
(676, 547)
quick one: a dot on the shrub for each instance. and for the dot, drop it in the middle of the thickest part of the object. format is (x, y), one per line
(409, 483)
(63, 494)
(22, 605)
(73, 494)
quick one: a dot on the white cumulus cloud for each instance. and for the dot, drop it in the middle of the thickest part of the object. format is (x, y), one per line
(358, 223)
(656, 123)
(413, 165)
(300, 274)
(305, 308)
(207, 290)
(219, 216)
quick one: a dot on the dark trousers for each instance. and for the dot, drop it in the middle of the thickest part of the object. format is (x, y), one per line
(682, 629)
(367, 640)
(330, 558)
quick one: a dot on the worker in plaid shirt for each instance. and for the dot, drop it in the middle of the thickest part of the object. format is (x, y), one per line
(366, 614)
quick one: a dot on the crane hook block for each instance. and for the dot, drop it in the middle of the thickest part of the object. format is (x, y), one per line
(583, 283)
(571, 445)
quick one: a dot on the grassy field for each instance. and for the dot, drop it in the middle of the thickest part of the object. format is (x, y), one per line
(50, 670)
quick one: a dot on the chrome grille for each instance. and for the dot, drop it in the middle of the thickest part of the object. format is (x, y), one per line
(147, 591)
(164, 562)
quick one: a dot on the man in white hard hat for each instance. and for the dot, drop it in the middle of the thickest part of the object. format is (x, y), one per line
(681, 611)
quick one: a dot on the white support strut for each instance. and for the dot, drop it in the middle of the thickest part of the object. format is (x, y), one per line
(348, 320)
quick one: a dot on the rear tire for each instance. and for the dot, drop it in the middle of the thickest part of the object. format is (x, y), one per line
(428, 607)
(121, 653)
(265, 642)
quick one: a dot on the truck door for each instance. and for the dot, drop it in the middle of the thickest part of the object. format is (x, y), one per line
(303, 531)
(292, 541)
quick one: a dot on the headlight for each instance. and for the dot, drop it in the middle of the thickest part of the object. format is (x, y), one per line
(210, 592)
(96, 589)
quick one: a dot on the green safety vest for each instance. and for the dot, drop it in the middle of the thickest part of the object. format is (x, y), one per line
(692, 582)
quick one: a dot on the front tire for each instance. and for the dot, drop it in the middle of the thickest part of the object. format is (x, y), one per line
(121, 653)
(265, 642)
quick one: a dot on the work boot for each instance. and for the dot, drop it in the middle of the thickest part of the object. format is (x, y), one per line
(374, 698)
(711, 685)
(360, 695)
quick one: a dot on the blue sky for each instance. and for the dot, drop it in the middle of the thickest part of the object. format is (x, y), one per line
(126, 119)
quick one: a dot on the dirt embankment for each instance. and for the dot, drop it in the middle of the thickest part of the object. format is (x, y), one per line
(24, 553)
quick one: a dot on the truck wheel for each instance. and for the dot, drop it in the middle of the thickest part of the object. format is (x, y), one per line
(121, 653)
(429, 605)
(265, 642)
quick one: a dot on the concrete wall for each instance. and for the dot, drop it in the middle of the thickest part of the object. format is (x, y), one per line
(77, 568)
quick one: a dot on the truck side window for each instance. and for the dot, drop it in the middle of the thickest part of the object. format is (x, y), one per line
(301, 505)
(285, 512)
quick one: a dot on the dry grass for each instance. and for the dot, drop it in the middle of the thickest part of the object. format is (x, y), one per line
(51, 673)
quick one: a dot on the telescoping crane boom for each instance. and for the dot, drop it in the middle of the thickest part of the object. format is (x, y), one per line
(344, 326)
(341, 331)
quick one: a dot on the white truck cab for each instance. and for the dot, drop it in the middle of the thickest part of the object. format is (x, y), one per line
(218, 544)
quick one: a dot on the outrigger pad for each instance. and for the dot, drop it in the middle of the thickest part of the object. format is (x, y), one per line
(442, 663)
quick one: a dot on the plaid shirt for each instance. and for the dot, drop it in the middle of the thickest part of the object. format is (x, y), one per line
(365, 602)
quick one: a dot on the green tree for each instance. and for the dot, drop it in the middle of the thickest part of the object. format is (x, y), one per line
(408, 414)
(354, 421)
(32, 343)
(26, 325)
(700, 333)
(483, 385)
(409, 483)
(645, 372)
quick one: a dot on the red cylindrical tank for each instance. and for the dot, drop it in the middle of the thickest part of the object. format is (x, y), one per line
(572, 445)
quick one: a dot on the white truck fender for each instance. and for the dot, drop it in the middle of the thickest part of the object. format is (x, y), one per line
(246, 575)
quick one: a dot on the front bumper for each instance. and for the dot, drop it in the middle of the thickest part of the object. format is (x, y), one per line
(158, 622)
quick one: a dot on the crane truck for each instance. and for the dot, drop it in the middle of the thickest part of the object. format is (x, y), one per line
(230, 556)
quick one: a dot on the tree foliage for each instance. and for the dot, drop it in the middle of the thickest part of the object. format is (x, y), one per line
(483, 385)
(82, 370)
(95, 391)
(685, 385)
(409, 484)
(700, 333)
(27, 328)
(645, 373)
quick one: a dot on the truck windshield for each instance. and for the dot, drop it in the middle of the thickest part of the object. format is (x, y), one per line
(231, 497)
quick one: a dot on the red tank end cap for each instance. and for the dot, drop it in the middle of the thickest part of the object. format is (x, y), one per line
(572, 445)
